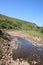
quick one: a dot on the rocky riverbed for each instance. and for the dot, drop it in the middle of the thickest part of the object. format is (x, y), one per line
(9, 45)
(7, 59)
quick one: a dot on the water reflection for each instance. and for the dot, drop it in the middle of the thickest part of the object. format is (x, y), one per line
(27, 51)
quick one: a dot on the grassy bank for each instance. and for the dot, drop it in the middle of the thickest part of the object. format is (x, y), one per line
(35, 33)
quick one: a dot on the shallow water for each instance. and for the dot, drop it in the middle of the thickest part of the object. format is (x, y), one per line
(28, 52)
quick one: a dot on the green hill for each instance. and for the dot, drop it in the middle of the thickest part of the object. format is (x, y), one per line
(10, 23)
(13, 23)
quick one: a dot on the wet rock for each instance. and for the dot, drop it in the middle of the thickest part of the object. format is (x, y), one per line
(25, 63)
(5, 44)
(21, 59)
(2, 60)
(3, 57)
(34, 62)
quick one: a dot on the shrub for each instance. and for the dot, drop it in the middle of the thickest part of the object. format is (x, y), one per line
(42, 30)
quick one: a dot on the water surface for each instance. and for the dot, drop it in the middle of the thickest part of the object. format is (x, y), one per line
(28, 52)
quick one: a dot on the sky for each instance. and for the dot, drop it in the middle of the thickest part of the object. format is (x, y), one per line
(28, 10)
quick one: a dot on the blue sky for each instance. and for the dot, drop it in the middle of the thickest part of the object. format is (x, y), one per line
(29, 10)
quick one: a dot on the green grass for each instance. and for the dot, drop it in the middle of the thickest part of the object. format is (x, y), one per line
(35, 33)
(16, 24)
(9, 23)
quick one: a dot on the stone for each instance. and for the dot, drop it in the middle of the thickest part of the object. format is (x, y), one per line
(3, 57)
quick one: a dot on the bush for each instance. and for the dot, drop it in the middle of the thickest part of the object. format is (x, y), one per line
(1, 33)
(42, 30)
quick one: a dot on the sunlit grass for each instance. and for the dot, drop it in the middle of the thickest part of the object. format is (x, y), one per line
(35, 33)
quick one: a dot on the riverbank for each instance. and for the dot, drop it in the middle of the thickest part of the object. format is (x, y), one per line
(37, 41)
(9, 45)
(7, 56)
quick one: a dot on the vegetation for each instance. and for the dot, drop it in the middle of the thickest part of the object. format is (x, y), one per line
(42, 30)
(35, 33)
(16, 24)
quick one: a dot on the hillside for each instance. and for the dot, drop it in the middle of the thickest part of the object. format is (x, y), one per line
(13, 23)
